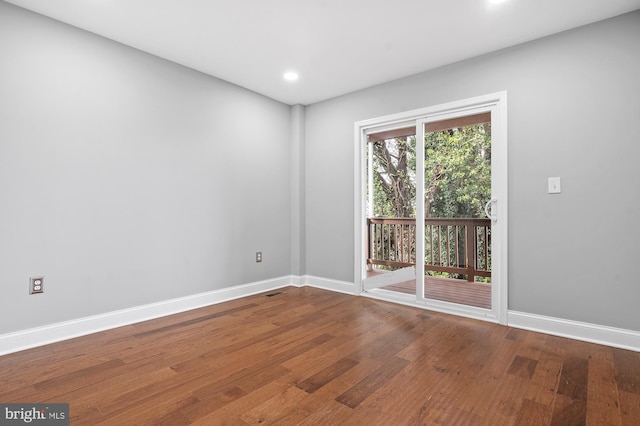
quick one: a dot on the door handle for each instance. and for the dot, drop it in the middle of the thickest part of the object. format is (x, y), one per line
(488, 209)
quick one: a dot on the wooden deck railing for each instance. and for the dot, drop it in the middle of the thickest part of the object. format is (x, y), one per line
(458, 246)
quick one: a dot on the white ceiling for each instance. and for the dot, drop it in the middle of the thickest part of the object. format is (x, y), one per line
(337, 46)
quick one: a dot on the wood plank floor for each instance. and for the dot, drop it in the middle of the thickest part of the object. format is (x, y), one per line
(314, 357)
(449, 290)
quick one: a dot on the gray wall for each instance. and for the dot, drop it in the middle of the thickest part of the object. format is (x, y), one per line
(297, 190)
(574, 106)
(126, 179)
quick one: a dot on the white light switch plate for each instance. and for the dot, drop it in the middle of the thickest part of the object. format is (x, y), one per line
(554, 185)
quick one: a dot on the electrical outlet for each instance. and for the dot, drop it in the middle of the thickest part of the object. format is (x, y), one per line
(36, 285)
(258, 256)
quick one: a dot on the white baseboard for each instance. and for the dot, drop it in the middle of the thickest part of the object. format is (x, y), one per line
(329, 284)
(38, 336)
(25, 339)
(600, 334)
(296, 281)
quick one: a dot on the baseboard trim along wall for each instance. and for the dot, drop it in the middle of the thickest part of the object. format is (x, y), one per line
(329, 284)
(38, 336)
(593, 333)
(30, 338)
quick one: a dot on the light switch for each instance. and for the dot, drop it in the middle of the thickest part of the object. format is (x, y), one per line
(554, 185)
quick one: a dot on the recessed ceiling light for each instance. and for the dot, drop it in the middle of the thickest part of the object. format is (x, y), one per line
(291, 76)
(497, 1)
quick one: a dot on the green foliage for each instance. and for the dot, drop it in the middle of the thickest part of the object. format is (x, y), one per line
(394, 163)
(457, 183)
(457, 173)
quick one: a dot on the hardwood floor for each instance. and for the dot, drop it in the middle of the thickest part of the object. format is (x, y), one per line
(314, 357)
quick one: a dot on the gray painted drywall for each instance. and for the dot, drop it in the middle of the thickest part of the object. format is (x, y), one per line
(573, 108)
(297, 190)
(126, 179)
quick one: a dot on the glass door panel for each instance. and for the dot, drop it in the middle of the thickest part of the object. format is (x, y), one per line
(391, 213)
(457, 188)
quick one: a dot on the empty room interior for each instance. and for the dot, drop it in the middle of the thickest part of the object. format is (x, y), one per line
(194, 229)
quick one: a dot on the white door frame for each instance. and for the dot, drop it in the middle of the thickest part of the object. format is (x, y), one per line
(497, 104)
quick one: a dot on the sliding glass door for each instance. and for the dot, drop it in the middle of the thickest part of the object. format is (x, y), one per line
(430, 214)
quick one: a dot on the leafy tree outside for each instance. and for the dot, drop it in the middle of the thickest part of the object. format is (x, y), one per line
(457, 174)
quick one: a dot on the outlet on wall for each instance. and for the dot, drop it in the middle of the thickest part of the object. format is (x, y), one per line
(258, 256)
(36, 285)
